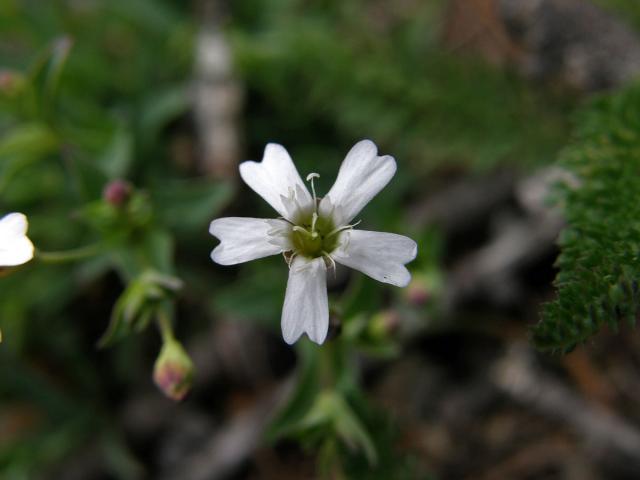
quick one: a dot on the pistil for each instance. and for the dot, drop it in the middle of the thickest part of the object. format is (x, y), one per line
(314, 220)
(310, 178)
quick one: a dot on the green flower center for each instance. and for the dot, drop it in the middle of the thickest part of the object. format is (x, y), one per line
(315, 236)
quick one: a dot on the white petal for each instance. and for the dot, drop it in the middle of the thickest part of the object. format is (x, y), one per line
(277, 181)
(16, 252)
(306, 308)
(244, 239)
(380, 255)
(13, 225)
(362, 175)
(15, 247)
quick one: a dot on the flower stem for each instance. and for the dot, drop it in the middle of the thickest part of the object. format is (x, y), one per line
(164, 325)
(327, 366)
(72, 255)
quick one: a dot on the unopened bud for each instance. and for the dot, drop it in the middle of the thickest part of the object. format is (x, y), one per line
(11, 83)
(385, 323)
(418, 292)
(173, 371)
(117, 192)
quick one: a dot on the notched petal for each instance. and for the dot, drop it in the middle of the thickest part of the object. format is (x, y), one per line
(15, 247)
(380, 255)
(13, 225)
(361, 177)
(274, 178)
(306, 307)
(244, 239)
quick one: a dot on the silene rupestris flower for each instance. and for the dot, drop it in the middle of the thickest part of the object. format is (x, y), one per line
(314, 234)
(15, 246)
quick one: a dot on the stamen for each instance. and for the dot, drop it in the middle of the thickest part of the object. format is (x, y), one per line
(305, 232)
(330, 259)
(342, 229)
(288, 258)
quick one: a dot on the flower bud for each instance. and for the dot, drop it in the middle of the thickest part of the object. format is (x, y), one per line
(11, 83)
(117, 192)
(173, 371)
(385, 323)
(418, 292)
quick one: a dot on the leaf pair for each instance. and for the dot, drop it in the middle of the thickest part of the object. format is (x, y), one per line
(140, 303)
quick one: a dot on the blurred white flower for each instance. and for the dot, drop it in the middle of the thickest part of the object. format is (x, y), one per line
(314, 234)
(15, 247)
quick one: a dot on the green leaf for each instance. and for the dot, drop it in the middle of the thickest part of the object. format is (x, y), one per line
(159, 246)
(350, 428)
(118, 156)
(301, 400)
(189, 205)
(139, 303)
(161, 108)
(29, 140)
(257, 295)
(47, 71)
(331, 410)
(21, 146)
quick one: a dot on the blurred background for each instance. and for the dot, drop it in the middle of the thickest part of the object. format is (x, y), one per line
(122, 123)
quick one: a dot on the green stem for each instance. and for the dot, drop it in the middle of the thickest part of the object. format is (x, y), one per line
(327, 364)
(72, 255)
(164, 324)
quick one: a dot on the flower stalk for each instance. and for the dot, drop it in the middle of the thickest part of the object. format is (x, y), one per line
(72, 255)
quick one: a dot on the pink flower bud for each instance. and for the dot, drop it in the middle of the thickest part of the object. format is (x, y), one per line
(173, 371)
(6, 80)
(117, 192)
(10, 82)
(418, 292)
(385, 323)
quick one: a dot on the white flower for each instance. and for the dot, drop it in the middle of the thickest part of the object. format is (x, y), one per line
(314, 234)
(15, 247)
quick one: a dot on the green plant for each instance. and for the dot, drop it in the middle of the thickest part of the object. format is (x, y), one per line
(599, 261)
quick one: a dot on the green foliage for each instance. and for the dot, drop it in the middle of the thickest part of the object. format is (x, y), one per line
(139, 304)
(91, 92)
(600, 259)
(629, 11)
(77, 111)
(358, 70)
(328, 414)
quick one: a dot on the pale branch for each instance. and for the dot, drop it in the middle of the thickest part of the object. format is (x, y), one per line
(610, 438)
(217, 97)
(233, 443)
